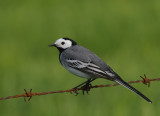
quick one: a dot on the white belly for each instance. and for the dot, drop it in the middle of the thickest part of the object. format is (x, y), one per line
(77, 72)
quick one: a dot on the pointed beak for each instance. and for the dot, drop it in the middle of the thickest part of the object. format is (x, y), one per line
(52, 45)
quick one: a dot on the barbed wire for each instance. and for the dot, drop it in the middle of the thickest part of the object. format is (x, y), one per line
(29, 94)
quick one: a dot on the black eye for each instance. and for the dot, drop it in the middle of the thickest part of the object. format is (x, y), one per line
(62, 43)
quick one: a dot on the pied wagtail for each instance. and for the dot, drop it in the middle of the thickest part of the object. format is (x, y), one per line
(82, 62)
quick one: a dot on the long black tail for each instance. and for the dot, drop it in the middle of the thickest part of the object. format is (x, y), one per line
(125, 84)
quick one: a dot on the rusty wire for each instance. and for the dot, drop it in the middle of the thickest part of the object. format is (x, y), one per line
(29, 94)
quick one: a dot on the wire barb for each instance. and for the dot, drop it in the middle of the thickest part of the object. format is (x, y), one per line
(29, 94)
(145, 80)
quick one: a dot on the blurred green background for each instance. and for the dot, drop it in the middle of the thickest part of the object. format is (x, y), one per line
(125, 34)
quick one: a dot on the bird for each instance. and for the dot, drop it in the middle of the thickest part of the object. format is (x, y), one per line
(81, 62)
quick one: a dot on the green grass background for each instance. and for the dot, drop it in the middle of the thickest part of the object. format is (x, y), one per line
(125, 34)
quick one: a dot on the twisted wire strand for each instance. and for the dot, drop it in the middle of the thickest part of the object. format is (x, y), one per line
(29, 94)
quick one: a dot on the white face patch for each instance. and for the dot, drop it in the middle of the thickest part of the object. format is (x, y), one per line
(62, 43)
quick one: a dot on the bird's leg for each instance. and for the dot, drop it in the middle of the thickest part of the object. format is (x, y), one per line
(75, 91)
(88, 81)
(85, 87)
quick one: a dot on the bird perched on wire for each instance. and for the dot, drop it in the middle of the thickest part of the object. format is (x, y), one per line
(82, 62)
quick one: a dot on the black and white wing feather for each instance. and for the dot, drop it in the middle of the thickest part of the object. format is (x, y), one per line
(89, 68)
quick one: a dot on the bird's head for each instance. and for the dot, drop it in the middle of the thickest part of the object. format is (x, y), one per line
(63, 43)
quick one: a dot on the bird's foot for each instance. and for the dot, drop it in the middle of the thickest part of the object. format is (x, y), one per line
(86, 88)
